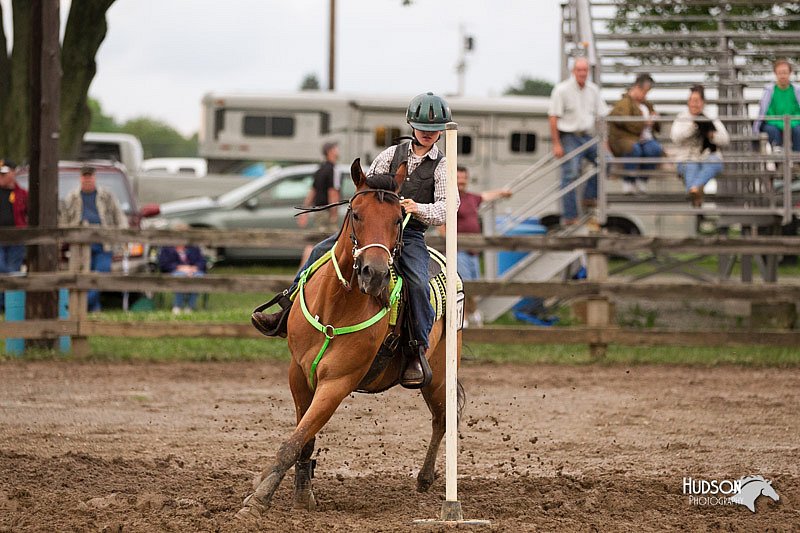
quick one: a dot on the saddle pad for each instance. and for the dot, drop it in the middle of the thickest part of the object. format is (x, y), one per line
(438, 283)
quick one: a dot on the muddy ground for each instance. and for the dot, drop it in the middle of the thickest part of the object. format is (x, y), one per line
(173, 447)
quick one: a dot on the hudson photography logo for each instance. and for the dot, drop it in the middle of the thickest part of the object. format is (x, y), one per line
(744, 491)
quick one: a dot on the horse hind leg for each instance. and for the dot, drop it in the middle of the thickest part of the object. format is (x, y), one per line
(303, 473)
(438, 409)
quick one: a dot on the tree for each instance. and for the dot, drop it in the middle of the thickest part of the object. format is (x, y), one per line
(310, 83)
(85, 31)
(99, 120)
(160, 139)
(687, 17)
(530, 87)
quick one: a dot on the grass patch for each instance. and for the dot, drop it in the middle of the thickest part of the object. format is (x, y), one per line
(578, 354)
(199, 350)
(236, 308)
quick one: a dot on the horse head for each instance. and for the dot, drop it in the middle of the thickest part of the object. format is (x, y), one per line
(376, 221)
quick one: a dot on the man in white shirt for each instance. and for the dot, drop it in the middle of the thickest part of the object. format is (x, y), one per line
(575, 105)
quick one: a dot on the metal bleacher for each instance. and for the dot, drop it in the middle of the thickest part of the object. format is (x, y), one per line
(733, 61)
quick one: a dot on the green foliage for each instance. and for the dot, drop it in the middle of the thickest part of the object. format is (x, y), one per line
(310, 83)
(101, 122)
(159, 139)
(530, 87)
(687, 17)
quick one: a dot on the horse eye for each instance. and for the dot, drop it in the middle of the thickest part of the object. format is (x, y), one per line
(356, 217)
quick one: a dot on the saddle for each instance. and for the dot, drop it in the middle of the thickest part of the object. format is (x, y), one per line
(398, 342)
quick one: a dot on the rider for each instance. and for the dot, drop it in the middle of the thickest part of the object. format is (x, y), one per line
(423, 196)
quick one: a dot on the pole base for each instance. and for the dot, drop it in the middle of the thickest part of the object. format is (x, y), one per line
(452, 517)
(451, 511)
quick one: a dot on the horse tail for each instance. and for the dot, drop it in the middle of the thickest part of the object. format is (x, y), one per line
(461, 400)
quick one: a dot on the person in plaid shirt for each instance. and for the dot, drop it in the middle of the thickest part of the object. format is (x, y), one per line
(423, 196)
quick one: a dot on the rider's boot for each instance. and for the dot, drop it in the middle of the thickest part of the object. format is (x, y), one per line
(417, 373)
(273, 324)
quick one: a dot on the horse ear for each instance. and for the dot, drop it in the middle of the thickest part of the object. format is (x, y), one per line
(400, 175)
(357, 174)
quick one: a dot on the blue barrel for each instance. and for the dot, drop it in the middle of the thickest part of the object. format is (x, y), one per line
(529, 226)
(64, 341)
(15, 312)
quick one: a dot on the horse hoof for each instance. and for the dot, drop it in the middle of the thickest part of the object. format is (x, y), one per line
(248, 513)
(306, 503)
(423, 484)
(252, 508)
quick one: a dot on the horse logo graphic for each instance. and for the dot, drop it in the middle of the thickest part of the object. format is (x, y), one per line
(751, 488)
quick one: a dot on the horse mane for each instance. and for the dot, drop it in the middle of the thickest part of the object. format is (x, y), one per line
(382, 182)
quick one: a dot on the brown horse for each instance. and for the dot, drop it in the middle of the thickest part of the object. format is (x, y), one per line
(368, 241)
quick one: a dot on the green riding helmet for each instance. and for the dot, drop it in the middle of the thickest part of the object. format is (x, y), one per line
(428, 112)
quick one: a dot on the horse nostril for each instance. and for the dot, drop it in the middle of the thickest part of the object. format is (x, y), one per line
(366, 271)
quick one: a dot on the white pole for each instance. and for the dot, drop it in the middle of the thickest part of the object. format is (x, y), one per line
(451, 507)
(451, 436)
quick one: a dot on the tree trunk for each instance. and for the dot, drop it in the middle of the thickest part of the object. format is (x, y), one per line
(86, 28)
(15, 120)
(79, 67)
(5, 78)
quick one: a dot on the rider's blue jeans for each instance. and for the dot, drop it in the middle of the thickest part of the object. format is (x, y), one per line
(412, 266)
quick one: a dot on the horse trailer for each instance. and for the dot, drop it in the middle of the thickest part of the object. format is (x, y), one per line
(499, 138)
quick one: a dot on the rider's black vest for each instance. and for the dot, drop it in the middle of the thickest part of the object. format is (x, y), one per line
(418, 185)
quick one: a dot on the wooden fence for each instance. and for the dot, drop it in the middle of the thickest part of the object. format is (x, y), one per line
(598, 290)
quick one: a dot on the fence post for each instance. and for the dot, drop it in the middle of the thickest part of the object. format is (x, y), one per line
(597, 307)
(80, 258)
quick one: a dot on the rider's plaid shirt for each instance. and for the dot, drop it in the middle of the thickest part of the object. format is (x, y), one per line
(434, 214)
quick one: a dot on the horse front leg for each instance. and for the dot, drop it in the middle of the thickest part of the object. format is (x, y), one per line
(323, 404)
(303, 472)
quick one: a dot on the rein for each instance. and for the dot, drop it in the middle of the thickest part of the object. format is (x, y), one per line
(328, 329)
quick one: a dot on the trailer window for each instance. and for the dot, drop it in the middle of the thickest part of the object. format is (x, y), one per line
(260, 126)
(465, 144)
(384, 136)
(219, 122)
(524, 142)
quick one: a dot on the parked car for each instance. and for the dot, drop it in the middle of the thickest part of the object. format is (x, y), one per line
(265, 203)
(178, 166)
(113, 177)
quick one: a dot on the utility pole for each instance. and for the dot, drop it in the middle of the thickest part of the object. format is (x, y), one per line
(45, 87)
(467, 44)
(332, 48)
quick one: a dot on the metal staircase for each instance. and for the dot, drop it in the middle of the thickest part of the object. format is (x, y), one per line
(732, 63)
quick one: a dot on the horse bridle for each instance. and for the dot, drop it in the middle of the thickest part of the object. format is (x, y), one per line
(358, 250)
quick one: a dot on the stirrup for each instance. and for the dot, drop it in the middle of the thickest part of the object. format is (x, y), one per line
(279, 329)
(420, 374)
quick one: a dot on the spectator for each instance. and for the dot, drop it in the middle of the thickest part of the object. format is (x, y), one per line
(13, 214)
(324, 191)
(781, 97)
(90, 205)
(182, 261)
(468, 221)
(635, 139)
(575, 105)
(698, 139)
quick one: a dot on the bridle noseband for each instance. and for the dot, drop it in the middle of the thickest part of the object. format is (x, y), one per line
(358, 250)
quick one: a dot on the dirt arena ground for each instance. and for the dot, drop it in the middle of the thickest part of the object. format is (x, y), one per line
(173, 447)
